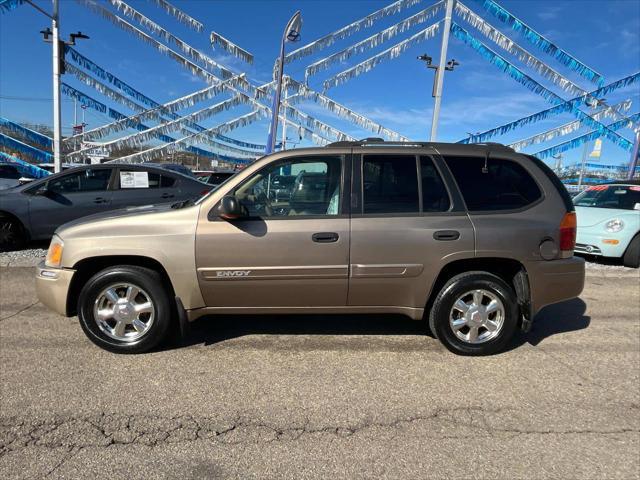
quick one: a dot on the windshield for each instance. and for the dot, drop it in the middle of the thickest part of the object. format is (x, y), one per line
(621, 197)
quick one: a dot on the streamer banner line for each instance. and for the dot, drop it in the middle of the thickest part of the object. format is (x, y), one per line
(513, 48)
(374, 40)
(25, 168)
(138, 138)
(26, 133)
(177, 145)
(128, 11)
(544, 114)
(127, 27)
(541, 42)
(388, 54)
(95, 105)
(155, 113)
(341, 111)
(227, 45)
(180, 15)
(17, 145)
(98, 71)
(535, 87)
(565, 129)
(8, 5)
(581, 140)
(350, 29)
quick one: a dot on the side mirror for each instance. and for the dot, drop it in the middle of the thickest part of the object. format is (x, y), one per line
(230, 208)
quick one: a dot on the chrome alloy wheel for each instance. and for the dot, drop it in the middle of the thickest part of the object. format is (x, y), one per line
(477, 316)
(124, 312)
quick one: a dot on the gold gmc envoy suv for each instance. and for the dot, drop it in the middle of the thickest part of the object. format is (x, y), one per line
(474, 238)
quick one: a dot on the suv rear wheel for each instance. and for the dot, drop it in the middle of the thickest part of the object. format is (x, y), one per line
(475, 313)
(125, 309)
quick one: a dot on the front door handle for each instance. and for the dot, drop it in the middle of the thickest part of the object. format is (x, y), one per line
(446, 235)
(100, 200)
(167, 195)
(325, 237)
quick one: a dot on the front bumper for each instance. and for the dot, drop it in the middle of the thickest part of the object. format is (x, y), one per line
(555, 281)
(52, 287)
(592, 244)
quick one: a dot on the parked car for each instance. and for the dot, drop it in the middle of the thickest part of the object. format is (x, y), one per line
(50, 166)
(609, 221)
(175, 167)
(33, 211)
(215, 178)
(477, 238)
(9, 176)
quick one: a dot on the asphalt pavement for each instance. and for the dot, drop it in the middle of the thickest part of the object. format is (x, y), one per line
(324, 397)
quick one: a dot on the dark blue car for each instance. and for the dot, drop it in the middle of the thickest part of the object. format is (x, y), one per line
(34, 211)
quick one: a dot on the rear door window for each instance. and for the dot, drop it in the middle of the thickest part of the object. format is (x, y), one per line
(390, 184)
(435, 197)
(493, 184)
(86, 180)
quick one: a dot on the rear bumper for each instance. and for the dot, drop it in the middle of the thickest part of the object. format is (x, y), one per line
(52, 287)
(555, 281)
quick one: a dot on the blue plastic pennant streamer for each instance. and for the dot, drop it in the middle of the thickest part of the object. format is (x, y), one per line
(582, 139)
(26, 133)
(17, 145)
(25, 168)
(541, 42)
(8, 5)
(522, 78)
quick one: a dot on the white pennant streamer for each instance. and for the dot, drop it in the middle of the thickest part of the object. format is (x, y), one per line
(180, 15)
(374, 40)
(102, 88)
(567, 128)
(126, 26)
(350, 29)
(165, 128)
(344, 112)
(229, 46)
(164, 150)
(157, 112)
(388, 54)
(152, 26)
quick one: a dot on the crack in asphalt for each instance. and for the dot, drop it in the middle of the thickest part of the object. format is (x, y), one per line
(23, 309)
(105, 430)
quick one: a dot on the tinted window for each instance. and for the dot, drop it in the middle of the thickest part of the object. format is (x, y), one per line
(498, 185)
(315, 188)
(390, 184)
(166, 181)
(434, 194)
(9, 171)
(83, 181)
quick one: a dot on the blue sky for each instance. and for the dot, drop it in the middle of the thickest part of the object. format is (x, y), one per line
(603, 34)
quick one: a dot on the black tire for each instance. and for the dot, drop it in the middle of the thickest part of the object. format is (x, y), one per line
(457, 287)
(11, 234)
(147, 280)
(631, 257)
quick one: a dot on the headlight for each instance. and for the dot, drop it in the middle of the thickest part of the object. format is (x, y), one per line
(614, 225)
(54, 254)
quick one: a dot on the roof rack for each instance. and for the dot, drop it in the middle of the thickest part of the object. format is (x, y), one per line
(375, 141)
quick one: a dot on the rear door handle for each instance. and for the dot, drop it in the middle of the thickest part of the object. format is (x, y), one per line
(167, 195)
(446, 235)
(325, 237)
(100, 200)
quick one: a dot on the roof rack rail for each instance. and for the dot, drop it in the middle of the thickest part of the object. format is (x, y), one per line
(375, 141)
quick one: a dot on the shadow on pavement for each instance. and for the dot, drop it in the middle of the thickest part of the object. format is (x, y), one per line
(555, 319)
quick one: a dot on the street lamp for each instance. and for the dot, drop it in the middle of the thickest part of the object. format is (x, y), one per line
(291, 34)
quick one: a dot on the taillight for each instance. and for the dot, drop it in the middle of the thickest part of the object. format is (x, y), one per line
(568, 234)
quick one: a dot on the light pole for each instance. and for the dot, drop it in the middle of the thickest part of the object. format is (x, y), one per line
(291, 34)
(53, 35)
(594, 104)
(441, 68)
(437, 86)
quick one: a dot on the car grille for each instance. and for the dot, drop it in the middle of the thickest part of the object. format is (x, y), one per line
(590, 249)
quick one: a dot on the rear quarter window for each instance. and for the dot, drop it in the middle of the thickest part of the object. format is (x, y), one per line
(493, 184)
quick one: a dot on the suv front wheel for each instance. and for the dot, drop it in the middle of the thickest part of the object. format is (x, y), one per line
(475, 313)
(125, 309)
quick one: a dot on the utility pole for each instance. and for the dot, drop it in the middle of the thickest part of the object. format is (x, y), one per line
(596, 103)
(634, 157)
(284, 114)
(57, 127)
(441, 69)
